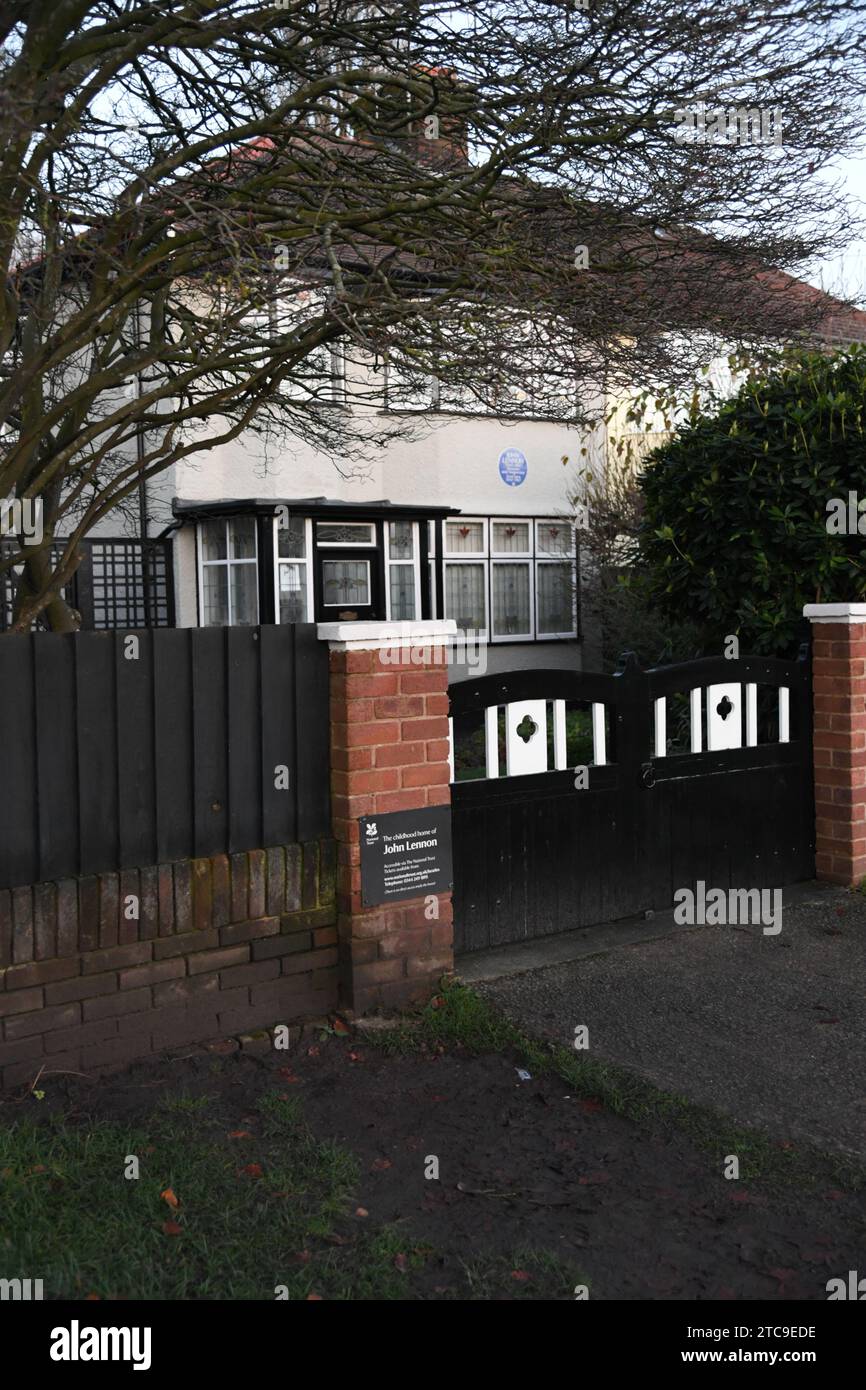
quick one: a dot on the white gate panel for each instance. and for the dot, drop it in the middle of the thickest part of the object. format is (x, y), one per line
(491, 740)
(724, 716)
(526, 751)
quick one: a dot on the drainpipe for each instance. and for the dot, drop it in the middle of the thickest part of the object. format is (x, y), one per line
(139, 433)
(142, 485)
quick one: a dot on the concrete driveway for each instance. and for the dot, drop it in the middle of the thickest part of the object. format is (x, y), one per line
(769, 1029)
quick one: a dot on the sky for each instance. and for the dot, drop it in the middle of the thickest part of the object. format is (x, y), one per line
(847, 273)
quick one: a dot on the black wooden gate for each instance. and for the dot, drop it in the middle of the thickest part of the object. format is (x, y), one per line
(620, 789)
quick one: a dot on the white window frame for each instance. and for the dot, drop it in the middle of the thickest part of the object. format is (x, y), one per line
(481, 554)
(415, 564)
(565, 557)
(204, 564)
(534, 558)
(306, 561)
(468, 557)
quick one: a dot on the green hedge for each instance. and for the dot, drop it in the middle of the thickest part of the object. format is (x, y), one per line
(735, 528)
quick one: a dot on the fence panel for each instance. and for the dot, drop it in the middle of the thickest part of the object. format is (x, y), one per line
(119, 753)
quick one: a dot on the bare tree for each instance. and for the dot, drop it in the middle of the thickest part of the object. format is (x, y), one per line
(199, 199)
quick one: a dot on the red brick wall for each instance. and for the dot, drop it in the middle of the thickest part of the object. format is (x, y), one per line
(839, 684)
(220, 946)
(389, 752)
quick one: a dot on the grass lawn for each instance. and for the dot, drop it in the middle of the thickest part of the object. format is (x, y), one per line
(306, 1174)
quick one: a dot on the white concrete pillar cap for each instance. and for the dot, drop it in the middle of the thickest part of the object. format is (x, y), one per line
(352, 637)
(835, 612)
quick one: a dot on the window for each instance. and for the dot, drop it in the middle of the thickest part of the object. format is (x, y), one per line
(556, 597)
(320, 376)
(293, 571)
(555, 579)
(554, 538)
(345, 533)
(512, 612)
(539, 383)
(403, 598)
(407, 389)
(526, 578)
(464, 536)
(465, 596)
(466, 580)
(511, 538)
(345, 583)
(229, 572)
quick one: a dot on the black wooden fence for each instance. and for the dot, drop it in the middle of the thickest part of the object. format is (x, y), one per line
(122, 749)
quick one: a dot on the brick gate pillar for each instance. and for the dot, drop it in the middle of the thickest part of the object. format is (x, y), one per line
(839, 685)
(389, 752)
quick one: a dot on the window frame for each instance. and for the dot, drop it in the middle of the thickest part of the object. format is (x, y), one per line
(344, 545)
(351, 603)
(414, 563)
(533, 558)
(468, 557)
(203, 564)
(526, 563)
(306, 561)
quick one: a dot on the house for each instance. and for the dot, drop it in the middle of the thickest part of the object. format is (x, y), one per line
(465, 511)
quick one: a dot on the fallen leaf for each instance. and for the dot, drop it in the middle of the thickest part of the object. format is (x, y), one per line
(341, 1027)
(314, 1298)
(379, 1165)
(240, 1134)
(355, 1057)
(252, 1170)
(169, 1197)
(361, 1211)
(313, 1051)
(591, 1105)
(401, 1263)
(92, 1298)
(520, 1275)
(171, 1228)
(288, 1075)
